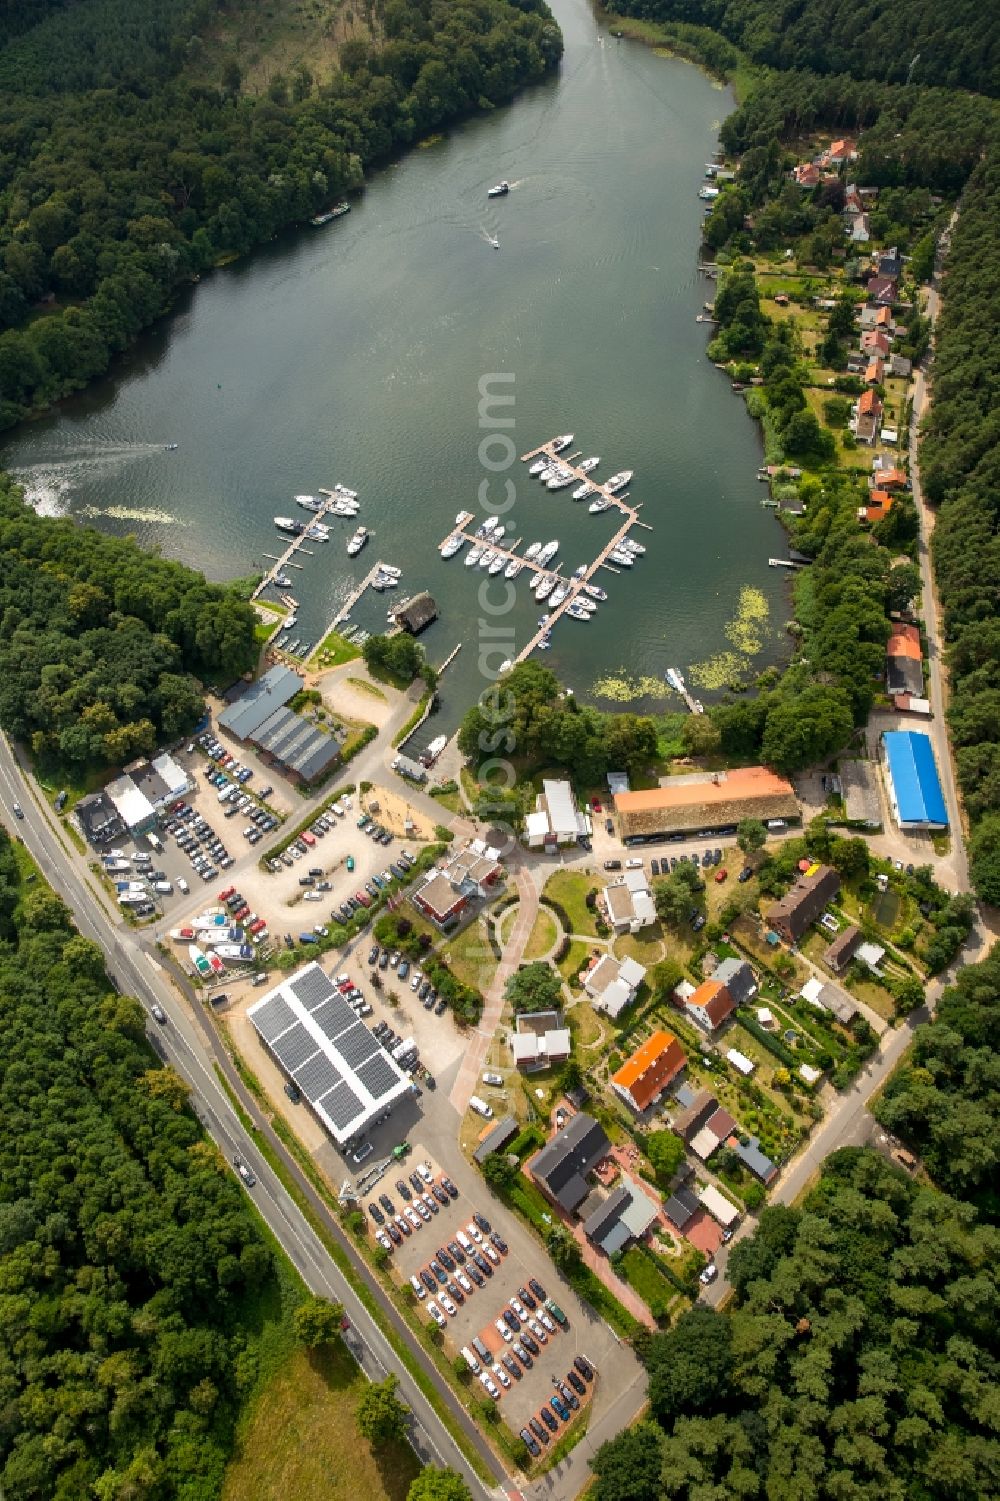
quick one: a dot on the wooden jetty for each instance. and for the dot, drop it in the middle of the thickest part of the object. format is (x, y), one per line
(352, 599)
(676, 682)
(449, 658)
(630, 518)
(296, 545)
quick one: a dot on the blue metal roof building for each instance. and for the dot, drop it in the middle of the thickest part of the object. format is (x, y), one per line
(913, 782)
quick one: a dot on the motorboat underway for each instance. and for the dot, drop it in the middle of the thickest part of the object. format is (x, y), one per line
(357, 542)
(452, 545)
(533, 550)
(472, 557)
(513, 568)
(498, 564)
(286, 524)
(588, 464)
(582, 491)
(463, 517)
(545, 586)
(595, 591)
(557, 596)
(547, 553)
(636, 547)
(560, 444)
(602, 503)
(499, 191)
(619, 481)
(540, 464)
(170, 447)
(494, 242)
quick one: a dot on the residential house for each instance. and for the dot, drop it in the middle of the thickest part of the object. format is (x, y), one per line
(718, 1206)
(875, 343)
(562, 1166)
(904, 671)
(871, 954)
(799, 908)
(688, 1122)
(473, 871)
(867, 416)
(826, 996)
(806, 175)
(843, 948)
(717, 1129)
(900, 365)
(882, 291)
(839, 154)
(890, 263)
(540, 1040)
(874, 373)
(752, 1157)
(617, 1219)
(738, 978)
(644, 1076)
(629, 903)
(859, 229)
(557, 820)
(496, 1138)
(99, 818)
(853, 201)
(878, 507)
(710, 1006)
(877, 317)
(681, 1208)
(612, 983)
(887, 477)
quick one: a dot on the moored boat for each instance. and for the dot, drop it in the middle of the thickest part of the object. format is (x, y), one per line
(533, 550)
(557, 596)
(357, 542)
(600, 504)
(619, 481)
(545, 586)
(547, 553)
(577, 611)
(595, 591)
(582, 491)
(559, 445)
(498, 564)
(463, 517)
(540, 464)
(472, 556)
(453, 544)
(587, 465)
(513, 568)
(287, 524)
(487, 558)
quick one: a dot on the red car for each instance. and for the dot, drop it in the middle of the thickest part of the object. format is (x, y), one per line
(225, 895)
(720, 875)
(597, 805)
(363, 898)
(255, 927)
(308, 838)
(241, 913)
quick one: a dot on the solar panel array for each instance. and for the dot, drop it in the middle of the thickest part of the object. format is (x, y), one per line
(332, 1077)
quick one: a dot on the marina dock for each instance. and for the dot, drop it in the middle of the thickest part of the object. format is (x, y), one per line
(294, 546)
(630, 518)
(352, 599)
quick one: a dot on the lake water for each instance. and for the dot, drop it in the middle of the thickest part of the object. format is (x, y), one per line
(355, 353)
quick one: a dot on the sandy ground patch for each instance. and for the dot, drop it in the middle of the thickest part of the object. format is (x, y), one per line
(393, 812)
(349, 692)
(279, 898)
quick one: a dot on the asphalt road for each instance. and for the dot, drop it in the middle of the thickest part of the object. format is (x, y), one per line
(181, 1043)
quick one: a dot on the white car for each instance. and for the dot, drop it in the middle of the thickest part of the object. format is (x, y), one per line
(489, 1383)
(413, 1218)
(423, 1168)
(501, 1375)
(402, 1224)
(519, 1309)
(415, 982)
(545, 1321)
(383, 1240)
(473, 1229)
(463, 1282)
(495, 1079)
(448, 1304)
(709, 1274)
(418, 1286)
(492, 1253)
(538, 1331)
(422, 1209)
(633, 864)
(501, 1328)
(436, 1314)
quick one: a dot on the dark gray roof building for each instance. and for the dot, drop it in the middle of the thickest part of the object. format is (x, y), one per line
(258, 701)
(681, 1207)
(799, 908)
(99, 818)
(498, 1137)
(738, 978)
(417, 613)
(562, 1166)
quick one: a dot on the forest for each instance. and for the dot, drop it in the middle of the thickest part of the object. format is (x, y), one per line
(953, 43)
(960, 466)
(857, 1360)
(103, 647)
(123, 174)
(136, 1285)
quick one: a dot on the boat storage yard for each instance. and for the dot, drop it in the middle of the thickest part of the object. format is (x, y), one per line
(578, 595)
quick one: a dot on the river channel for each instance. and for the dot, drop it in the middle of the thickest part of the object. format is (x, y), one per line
(356, 352)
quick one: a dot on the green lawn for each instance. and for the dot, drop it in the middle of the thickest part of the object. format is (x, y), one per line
(574, 960)
(570, 890)
(334, 650)
(470, 957)
(543, 935)
(645, 1276)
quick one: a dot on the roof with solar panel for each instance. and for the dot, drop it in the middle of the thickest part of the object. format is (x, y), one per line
(342, 1070)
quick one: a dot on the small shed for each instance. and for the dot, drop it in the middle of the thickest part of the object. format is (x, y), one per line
(417, 613)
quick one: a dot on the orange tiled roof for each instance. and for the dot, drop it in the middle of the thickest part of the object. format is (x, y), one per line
(650, 1068)
(714, 999)
(869, 403)
(890, 477)
(904, 642)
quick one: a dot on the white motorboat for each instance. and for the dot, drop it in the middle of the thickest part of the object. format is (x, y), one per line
(499, 564)
(472, 556)
(463, 517)
(357, 542)
(309, 502)
(588, 464)
(625, 559)
(540, 464)
(547, 553)
(513, 568)
(286, 524)
(582, 491)
(595, 591)
(549, 473)
(490, 525)
(602, 503)
(391, 570)
(487, 558)
(619, 481)
(636, 547)
(579, 572)
(560, 444)
(452, 545)
(317, 532)
(499, 532)
(533, 550)
(586, 604)
(560, 480)
(557, 596)
(545, 586)
(500, 190)
(340, 489)
(505, 666)
(577, 611)
(344, 508)
(494, 242)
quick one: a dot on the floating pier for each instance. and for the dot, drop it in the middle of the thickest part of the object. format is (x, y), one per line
(296, 545)
(676, 682)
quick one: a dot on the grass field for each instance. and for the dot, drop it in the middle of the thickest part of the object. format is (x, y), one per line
(649, 1282)
(575, 958)
(332, 651)
(301, 1441)
(543, 935)
(470, 957)
(570, 891)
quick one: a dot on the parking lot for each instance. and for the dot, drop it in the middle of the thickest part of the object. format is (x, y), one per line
(482, 1272)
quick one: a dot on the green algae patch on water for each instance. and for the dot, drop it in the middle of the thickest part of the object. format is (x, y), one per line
(625, 688)
(747, 632)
